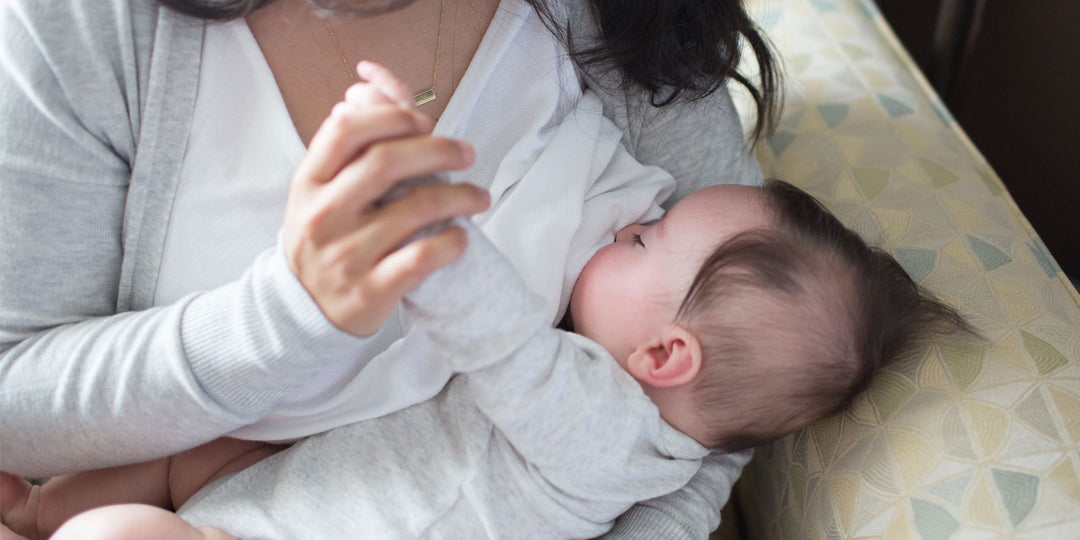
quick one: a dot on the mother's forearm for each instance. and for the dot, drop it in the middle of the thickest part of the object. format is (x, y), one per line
(139, 385)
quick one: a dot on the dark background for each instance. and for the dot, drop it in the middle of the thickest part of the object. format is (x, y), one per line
(1009, 71)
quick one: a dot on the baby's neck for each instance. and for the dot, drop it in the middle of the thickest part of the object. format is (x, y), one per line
(678, 409)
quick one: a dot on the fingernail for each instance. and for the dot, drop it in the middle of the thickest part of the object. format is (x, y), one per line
(363, 67)
(467, 151)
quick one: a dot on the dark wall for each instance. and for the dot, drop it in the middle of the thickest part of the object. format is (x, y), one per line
(1009, 71)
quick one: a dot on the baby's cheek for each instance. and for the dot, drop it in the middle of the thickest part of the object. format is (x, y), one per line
(588, 298)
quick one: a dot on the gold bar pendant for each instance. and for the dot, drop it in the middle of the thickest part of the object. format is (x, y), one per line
(426, 96)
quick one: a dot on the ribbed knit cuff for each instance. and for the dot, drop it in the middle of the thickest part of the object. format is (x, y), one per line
(643, 522)
(250, 342)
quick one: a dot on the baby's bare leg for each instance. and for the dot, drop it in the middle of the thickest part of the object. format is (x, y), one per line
(134, 522)
(36, 511)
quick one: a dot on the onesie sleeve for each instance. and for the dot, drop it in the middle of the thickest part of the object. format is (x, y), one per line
(700, 142)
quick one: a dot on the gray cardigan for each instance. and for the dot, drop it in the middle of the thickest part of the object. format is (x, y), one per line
(96, 98)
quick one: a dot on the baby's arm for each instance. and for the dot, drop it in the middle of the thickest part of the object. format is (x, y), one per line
(560, 401)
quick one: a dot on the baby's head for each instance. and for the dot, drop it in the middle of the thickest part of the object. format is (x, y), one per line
(747, 313)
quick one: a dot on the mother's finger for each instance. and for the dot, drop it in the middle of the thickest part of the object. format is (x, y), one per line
(367, 95)
(387, 228)
(386, 82)
(383, 164)
(404, 269)
(349, 130)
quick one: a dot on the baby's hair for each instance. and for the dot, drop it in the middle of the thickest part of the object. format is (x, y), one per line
(844, 307)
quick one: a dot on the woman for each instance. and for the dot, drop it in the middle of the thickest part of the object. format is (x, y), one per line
(147, 304)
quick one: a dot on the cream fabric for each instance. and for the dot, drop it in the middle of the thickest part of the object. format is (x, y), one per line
(958, 439)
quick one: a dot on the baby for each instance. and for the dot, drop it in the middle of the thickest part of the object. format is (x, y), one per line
(742, 315)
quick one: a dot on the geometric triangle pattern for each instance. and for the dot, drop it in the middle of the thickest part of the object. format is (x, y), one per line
(932, 521)
(1018, 492)
(917, 262)
(958, 438)
(991, 257)
(952, 490)
(894, 106)
(833, 113)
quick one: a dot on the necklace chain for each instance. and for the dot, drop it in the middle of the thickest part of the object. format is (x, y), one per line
(421, 97)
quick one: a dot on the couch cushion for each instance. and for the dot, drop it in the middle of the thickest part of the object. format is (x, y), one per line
(957, 438)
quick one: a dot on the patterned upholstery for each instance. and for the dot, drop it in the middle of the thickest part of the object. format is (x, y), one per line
(959, 439)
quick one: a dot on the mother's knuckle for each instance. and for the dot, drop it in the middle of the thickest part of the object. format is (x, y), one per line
(378, 160)
(339, 120)
(310, 230)
(339, 256)
(402, 119)
(361, 293)
(428, 198)
(422, 259)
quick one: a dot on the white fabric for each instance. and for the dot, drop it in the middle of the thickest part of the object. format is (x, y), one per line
(234, 179)
(540, 169)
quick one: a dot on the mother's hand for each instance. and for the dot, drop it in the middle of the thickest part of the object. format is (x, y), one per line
(347, 253)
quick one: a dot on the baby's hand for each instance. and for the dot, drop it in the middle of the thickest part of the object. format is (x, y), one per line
(379, 87)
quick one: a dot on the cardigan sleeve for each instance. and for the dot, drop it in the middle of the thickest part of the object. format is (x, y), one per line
(82, 386)
(700, 143)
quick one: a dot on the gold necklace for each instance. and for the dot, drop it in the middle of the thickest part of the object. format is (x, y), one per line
(421, 97)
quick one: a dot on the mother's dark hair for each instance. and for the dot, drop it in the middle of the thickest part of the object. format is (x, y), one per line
(674, 49)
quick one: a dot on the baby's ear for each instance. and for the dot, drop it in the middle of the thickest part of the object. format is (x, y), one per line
(673, 360)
